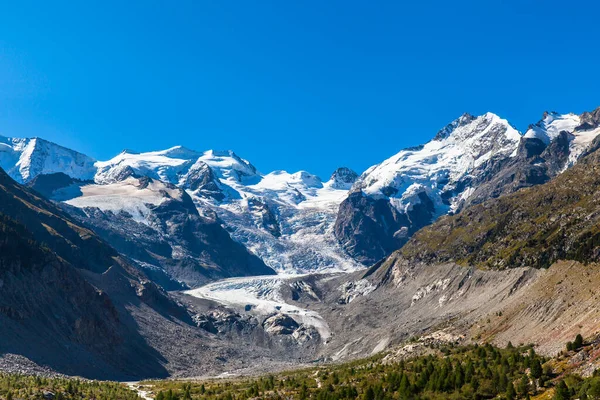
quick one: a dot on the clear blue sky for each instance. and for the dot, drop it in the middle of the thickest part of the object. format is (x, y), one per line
(287, 84)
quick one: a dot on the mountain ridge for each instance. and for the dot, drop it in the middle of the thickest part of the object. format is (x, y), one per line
(356, 219)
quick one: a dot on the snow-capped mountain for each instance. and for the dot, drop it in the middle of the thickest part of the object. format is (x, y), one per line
(553, 124)
(470, 160)
(293, 222)
(24, 159)
(284, 218)
(437, 167)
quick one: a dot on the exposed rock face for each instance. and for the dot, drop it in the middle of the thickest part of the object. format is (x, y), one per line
(589, 120)
(54, 185)
(370, 229)
(267, 219)
(221, 322)
(202, 180)
(343, 178)
(535, 164)
(280, 324)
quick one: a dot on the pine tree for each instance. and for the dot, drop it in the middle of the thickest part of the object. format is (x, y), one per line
(570, 346)
(524, 386)
(578, 343)
(186, 392)
(303, 392)
(369, 394)
(510, 391)
(536, 369)
(404, 389)
(561, 391)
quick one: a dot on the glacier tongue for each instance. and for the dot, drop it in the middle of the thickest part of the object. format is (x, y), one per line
(262, 295)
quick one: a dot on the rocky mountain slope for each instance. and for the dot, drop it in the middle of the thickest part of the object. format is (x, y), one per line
(469, 161)
(164, 212)
(57, 281)
(532, 227)
(157, 225)
(72, 304)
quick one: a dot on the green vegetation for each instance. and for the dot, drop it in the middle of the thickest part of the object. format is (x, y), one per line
(575, 345)
(13, 387)
(448, 372)
(468, 372)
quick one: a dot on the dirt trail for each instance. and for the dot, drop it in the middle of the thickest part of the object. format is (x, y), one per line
(142, 391)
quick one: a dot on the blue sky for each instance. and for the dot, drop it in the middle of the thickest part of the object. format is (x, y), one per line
(287, 84)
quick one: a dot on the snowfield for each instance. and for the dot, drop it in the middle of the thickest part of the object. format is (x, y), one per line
(127, 196)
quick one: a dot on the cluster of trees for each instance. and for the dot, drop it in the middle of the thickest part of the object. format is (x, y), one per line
(469, 372)
(574, 387)
(576, 344)
(13, 387)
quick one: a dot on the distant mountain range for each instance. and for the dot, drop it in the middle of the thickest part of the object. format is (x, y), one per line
(94, 254)
(174, 202)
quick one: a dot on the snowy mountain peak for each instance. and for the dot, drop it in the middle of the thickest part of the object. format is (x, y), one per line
(129, 151)
(448, 129)
(550, 126)
(343, 178)
(24, 159)
(438, 166)
(307, 179)
(180, 152)
(229, 166)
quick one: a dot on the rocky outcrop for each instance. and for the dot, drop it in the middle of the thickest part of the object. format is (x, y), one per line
(369, 229)
(343, 178)
(280, 324)
(202, 180)
(49, 185)
(266, 218)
